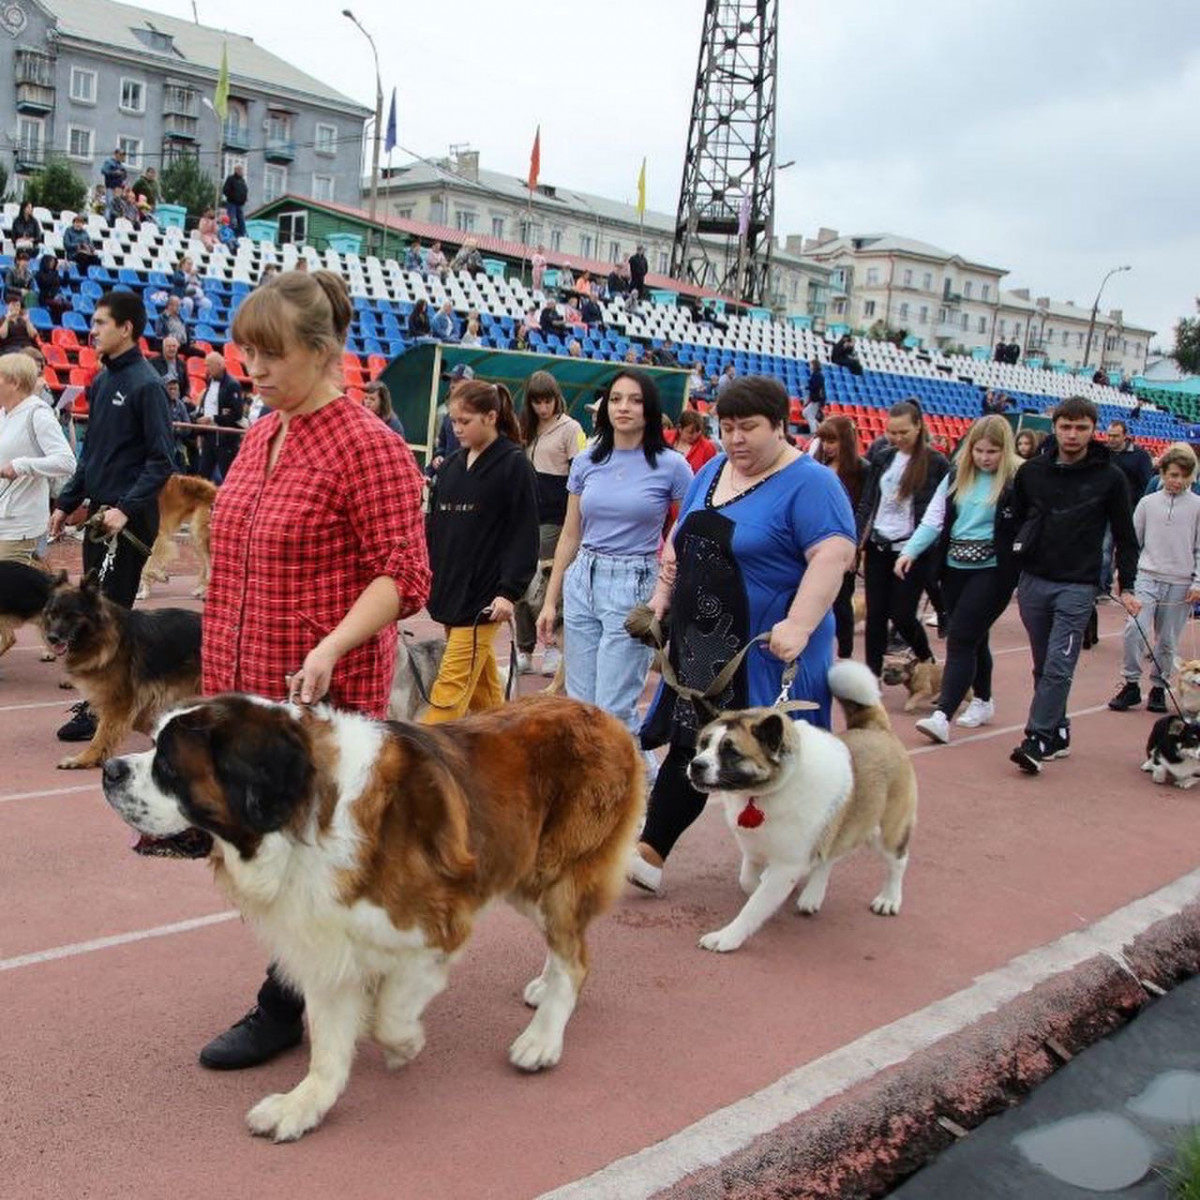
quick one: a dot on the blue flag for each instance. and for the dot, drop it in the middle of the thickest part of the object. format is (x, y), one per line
(389, 139)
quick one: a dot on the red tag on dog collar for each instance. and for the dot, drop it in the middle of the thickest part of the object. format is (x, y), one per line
(751, 817)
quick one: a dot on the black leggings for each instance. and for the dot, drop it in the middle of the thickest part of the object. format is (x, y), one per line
(889, 598)
(973, 606)
(843, 615)
(674, 803)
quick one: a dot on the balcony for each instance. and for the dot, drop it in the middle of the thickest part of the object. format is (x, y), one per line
(180, 128)
(280, 150)
(181, 102)
(33, 73)
(34, 99)
(30, 157)
(235, 135)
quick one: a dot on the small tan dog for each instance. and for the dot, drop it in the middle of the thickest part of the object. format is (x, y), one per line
(1187, 689)
(798, 798)
(922, 681)
(183, 498)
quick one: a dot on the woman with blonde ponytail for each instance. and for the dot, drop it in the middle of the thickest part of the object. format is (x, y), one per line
(483, 546)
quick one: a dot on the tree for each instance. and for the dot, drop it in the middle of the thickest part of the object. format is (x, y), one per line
(185, 183)
(56, 187)
(1187, 344)
(3, 182)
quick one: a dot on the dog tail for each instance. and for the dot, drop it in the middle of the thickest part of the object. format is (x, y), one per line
(855, 686)
(194, 490)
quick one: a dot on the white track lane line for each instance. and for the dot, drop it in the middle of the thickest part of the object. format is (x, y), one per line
(62, 791)
(730, 1129)
(64, 704)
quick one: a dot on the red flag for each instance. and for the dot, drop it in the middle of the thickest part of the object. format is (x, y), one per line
(535, 159)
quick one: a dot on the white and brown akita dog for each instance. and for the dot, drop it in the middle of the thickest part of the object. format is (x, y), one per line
(799, 798)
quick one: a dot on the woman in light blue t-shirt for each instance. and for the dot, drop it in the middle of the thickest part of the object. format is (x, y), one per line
(619, 492)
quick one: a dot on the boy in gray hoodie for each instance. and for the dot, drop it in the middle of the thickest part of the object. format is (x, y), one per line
(1167, 523)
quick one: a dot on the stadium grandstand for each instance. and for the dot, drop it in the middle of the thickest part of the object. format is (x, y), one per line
(950, 388)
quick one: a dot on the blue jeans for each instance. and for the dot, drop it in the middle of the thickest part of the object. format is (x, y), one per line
(604, 665)
(237, 217)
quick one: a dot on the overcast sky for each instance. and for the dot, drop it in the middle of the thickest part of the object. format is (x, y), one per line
(1056, 138)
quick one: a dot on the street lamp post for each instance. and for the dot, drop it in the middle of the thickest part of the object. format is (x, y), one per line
(212, 108)
(1087, 350)
(378, 121)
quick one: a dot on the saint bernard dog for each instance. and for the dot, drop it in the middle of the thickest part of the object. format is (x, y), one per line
(361, 852)
(798, 798)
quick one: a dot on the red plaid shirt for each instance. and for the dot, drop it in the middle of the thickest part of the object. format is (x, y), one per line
(293, 552)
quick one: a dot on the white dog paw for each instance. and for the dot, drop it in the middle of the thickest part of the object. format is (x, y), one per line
(885, 906)
(284, 1118)
(399, 1052)
(535, 1051)
(721, 941)
(808, 903)
(535, 990)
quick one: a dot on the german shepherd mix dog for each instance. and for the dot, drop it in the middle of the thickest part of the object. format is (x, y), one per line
(362, 852)
(183, 498)
(24, 591)
(418, 661)
(129, 666)
(798, 798)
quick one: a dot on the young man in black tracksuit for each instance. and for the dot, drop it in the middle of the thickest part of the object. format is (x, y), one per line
(128, 454)
(1063, 499)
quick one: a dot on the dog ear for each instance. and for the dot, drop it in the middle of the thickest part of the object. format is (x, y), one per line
(263, 762)
(60, 580)
(89, 585)
(769, 733)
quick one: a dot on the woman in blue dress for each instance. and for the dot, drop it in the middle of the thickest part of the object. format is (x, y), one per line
(763, 540)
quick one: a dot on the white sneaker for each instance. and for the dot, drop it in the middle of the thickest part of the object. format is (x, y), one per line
(979, 712)
(524, 663)
(551, 658)
(642, 874)
(935, 727)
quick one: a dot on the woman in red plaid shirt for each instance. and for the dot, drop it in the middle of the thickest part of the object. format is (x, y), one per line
(317, 550)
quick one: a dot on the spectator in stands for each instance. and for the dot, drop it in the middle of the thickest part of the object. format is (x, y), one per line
(221, 406)
(301, 265)
(1126, 388)
(692, 440)
(762, 544)
(550, 323)
(206, 227)
(573, 317)
(171, 364)
(814, 404)
(574, 349)
(471, 335)
(444, 326)
(483, 545)
(537, 263)
(378, 399)
(631, 356)
(115, 176)
(236, 192)
(180, 414)
(19, 277)
(121, 205)
(418, 320)
(1000, 354)
(531, 323)
(447, 440)
(590, 312)
(1167, 525)
(367, 568)
(26, 231)
(195, 301)
(638, 269)
(726, 377)
(435, 261)
(837, 448)
(33, 453)
(708, 316)
(269, 272)
(1062, 501)
(900, 484)
(78, 247)
(665, 355)
(468, 258)
(968, 530)
(227, 235)
(49, 280)
(566, 277)
(16, 329)
(414, 257)
(842, 355)
(552, 440)
(1100, 377)
(582, 285)
(147, 185)
(170, 323)
(697, 384)
(98, 201)
(619, 494)
(1028, 442)
(618, 281)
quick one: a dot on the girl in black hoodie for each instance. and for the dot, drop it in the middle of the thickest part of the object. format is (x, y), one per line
(483, 546)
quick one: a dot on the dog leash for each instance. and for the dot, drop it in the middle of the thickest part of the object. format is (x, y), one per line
(481, 618)
(94, 526)
(1154, 659)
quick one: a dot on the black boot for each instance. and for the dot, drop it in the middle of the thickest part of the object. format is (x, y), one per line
(81, 727)
(258, 1037)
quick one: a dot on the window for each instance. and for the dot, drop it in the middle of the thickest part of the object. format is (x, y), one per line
(437, 210)
(279, 127)
(795, 289)
(941, 316)
(274, 182)
(966, 320)
(229, 162)
(904, 312)
(1079, 339)
(133, 96)
(325, 139)
(293, 227)
(664, 262)
(464, 220)
(322, 187)
(967, 288)
(987, 291)
(1003, 328)
(839, 308)
(927, 283)
(498, 227)
(872, 276)
(556, 239)
(31, 133)
(79, 143)
(585, 245)
(133, 151)
(908, 278)
(83, 86)
(1016, 331)
(923, 317)
(869, 308)
(1047, 336)
(404, 213)
(614, 252)
(983, 324)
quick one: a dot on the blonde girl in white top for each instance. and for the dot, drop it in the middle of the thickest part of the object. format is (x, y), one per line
(33, 454)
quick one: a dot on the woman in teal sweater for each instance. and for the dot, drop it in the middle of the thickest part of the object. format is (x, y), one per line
(969, 526)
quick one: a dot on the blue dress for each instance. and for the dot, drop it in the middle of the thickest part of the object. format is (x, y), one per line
(739, 565)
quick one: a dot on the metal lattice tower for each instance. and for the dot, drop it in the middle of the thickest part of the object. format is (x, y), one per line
(729, 172)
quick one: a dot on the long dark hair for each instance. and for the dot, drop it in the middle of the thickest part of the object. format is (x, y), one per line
(653, 443)
(482, 397)
(541, 386)
(917, 471)
(849, 465)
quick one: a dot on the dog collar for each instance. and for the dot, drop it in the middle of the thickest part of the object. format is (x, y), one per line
(751, 817)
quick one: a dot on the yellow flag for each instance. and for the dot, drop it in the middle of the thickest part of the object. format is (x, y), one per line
(221, 99)
(641, 204)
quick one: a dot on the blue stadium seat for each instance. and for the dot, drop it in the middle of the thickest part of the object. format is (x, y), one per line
(73, 320)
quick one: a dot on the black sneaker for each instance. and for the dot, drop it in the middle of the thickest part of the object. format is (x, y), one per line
(1156, 702)
(257, 1038)
(81, 727)
(1130, 696)
(1029, 755)
(1059, 745)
